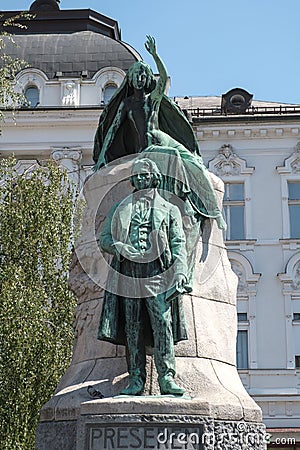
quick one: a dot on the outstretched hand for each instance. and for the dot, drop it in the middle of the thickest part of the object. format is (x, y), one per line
(150, 45)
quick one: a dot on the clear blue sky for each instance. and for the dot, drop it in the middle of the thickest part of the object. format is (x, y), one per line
(211, 46)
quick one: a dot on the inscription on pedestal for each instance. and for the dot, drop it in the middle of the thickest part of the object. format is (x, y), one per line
(145, 437)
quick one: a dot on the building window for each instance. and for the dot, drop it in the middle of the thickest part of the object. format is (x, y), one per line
(32, 95)
(294, 208)
(297, 361)
(296, 317)
(108, 92)
(242, 317)
(242, 349)
(234, 211)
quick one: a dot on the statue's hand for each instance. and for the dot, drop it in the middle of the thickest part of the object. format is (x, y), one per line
(180, 283)
(150, 45)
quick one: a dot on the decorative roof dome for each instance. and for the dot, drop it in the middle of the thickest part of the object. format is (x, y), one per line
(45, 5)
(70, 54)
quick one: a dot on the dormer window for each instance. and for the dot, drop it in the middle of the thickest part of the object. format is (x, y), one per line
(32, 95)
(236, 101)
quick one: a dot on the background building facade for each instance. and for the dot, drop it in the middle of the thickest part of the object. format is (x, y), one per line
(256, 153)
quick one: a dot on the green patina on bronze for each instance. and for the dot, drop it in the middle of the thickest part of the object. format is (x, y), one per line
(154, 314)
(141, 119)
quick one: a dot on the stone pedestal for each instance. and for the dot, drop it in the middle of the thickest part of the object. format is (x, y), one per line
(216, 408)
(162, 423)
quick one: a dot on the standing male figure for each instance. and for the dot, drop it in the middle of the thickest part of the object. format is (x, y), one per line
(142, 301)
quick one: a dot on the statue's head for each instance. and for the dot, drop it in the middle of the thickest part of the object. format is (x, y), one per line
(140, 76)
(145, 174)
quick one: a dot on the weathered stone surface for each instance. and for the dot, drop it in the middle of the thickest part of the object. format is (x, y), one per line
(143, 437)
(214, 278)
(86, 344)
(146, 405)
(73, 380)
(77, 373)
(230, 380)
(56, 436)
(215, 330)
(110, 374)
(121, 350)
(188, 348)
(125, 430)
(167, 431)
(199, 378)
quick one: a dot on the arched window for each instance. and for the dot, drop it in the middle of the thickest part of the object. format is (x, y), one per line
(108, 92)
(33, 96)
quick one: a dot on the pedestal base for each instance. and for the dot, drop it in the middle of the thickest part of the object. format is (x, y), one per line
(166, 423)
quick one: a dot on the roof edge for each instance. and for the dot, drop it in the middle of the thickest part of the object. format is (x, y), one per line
(65, 21)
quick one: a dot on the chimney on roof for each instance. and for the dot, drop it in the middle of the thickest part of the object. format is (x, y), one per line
(45, 5)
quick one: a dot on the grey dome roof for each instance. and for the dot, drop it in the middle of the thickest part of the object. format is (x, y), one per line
(72, 53)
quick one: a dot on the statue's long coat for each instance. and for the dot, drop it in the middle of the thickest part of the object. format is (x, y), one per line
(167, 222)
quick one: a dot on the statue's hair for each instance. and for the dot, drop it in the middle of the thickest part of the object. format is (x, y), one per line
(151, 166)
(148, 70)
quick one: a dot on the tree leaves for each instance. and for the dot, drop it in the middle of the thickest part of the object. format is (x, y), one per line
(36, 307)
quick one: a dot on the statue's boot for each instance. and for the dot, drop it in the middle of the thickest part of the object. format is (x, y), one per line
(136, 386)
(168, 386)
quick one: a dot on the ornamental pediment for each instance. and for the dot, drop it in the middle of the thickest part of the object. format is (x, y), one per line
(292, 163)
(228, 163)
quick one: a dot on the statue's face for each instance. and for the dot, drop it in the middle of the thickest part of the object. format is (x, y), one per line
(142, 179)
(139, 78)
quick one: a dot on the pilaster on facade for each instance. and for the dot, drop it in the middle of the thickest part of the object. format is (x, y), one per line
(69, 158)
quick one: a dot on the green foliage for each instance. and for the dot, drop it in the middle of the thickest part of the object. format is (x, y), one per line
(36, 307)
(9, 67)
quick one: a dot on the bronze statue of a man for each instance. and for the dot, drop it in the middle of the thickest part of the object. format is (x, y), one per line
(144, 233)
